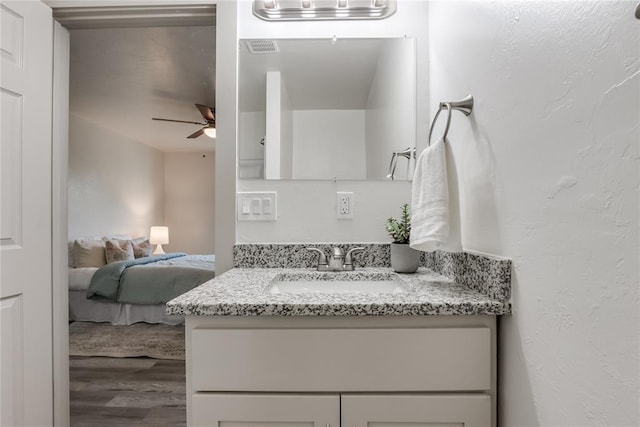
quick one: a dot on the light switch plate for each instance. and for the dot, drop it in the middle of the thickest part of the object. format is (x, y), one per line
(262, 206)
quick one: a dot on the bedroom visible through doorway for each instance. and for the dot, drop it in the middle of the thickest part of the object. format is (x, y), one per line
(127, 173)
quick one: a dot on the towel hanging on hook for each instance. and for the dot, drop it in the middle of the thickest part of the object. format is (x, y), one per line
(464, 105)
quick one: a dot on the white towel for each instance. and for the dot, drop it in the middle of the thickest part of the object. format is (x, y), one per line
(435, 213)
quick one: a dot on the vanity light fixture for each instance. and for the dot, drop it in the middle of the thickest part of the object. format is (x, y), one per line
(297, 10)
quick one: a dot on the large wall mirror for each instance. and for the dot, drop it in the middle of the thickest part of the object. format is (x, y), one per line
(327, 109)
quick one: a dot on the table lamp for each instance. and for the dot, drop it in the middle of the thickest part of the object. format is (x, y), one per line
(159, 236)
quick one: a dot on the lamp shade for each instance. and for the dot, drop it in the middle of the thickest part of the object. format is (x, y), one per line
(159, 235)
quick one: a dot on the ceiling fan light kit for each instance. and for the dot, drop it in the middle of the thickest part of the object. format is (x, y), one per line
(208, 123)
(210, 132)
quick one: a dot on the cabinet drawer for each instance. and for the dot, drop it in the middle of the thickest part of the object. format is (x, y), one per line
(437, 359)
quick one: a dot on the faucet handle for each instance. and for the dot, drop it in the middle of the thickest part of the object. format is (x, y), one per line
(348, 259)
(336, 253)
(322, 258)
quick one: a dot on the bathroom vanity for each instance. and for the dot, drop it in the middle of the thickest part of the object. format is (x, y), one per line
(259, 352)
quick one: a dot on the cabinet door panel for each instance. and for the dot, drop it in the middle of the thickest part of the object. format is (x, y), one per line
(416, 410)
(255, 410)
(425, 424)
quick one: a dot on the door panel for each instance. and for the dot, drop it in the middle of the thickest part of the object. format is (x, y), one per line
(12, 42)
(468, 410)
(265, 410)
(11, 356)
(25, 213)
(11, 167)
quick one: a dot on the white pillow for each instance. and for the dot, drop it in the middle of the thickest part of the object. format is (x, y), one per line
(71, 256)
(88, 253)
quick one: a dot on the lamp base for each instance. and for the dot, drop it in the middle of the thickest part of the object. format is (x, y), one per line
(159, 250)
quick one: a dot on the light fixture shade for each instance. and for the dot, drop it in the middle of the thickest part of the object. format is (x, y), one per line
(210, 132)
(159, 235)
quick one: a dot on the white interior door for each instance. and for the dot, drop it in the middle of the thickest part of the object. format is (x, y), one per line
(26, 396)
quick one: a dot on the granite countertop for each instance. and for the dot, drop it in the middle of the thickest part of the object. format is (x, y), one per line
(245, 292)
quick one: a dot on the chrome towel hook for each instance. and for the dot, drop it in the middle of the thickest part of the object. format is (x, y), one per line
(408, 153)
(464, 105)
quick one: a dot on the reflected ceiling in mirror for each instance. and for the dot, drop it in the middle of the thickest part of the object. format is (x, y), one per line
(327, 109)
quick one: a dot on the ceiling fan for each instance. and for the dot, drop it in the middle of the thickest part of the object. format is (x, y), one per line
(209, 122)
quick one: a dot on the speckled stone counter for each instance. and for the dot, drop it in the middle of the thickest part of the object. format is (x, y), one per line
(487, 274)
(245, 292)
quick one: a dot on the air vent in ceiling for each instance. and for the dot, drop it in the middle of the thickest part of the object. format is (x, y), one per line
(262, 46)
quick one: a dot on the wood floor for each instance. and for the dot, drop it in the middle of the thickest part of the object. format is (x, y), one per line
(109, 391)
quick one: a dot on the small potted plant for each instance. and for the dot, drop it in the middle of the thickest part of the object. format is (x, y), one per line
(404, 259)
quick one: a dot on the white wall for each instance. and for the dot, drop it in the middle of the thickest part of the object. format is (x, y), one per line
(250, 151)
(273, 139)
(226, 129)
(329, 144)
(306, 210)
(278, 147)
(120, 186)
(390, 118)
(286, 133)
(189, 209)
(115, 185)
(548, 166)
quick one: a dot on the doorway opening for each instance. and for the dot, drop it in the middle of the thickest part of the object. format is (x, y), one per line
(127, 173)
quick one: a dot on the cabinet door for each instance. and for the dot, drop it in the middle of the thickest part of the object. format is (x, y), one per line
(264, 410)
(454, 410)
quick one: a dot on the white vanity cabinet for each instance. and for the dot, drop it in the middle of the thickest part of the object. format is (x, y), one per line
(341, 371)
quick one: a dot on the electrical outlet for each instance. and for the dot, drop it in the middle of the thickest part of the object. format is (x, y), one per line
(344, 205)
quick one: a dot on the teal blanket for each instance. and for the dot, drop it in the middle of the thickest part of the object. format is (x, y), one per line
(151, 280)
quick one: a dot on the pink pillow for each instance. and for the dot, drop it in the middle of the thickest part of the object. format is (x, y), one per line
(118, 250)
(141, 247)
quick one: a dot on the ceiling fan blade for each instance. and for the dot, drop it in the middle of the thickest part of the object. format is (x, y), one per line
(177, 121)
(196, 133)
(207, 112)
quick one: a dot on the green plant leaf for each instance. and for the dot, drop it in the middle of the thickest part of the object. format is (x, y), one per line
(400, 231)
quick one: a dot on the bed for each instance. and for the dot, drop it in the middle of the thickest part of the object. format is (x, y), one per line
(127, 291)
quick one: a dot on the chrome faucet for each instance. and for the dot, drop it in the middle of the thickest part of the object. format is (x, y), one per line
(337, 261)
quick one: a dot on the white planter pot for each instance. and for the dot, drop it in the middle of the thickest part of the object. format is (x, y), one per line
(404, 259)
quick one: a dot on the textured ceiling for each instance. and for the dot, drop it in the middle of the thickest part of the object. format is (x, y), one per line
(121, 78)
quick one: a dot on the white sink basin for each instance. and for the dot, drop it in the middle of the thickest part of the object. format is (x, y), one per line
(336, 283)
